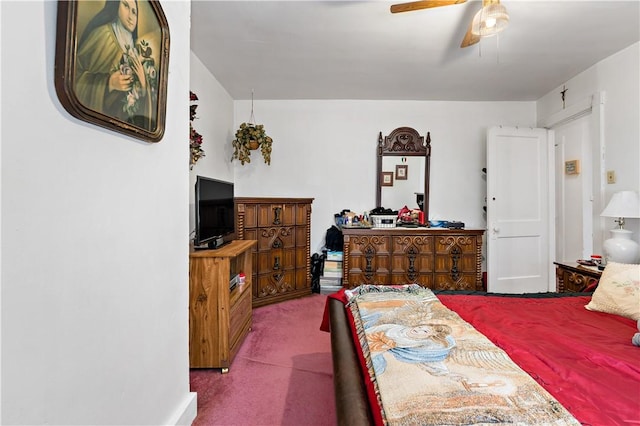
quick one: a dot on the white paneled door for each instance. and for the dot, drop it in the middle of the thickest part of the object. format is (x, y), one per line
(520, 210)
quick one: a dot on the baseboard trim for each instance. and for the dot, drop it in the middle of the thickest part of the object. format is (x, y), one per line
(187, 414)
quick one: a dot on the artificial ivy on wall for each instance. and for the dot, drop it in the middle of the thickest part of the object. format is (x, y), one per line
(195, 138)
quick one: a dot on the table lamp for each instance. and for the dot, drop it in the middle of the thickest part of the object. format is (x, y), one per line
(620, 247)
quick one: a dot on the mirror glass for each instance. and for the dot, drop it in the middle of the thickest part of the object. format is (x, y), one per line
(403, 166)
(404, 191)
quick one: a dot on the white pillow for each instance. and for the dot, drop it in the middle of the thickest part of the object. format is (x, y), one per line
(618, 291)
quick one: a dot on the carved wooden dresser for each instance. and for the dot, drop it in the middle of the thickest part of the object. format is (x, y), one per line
(281, 259)
(571, 277)
(437, 258)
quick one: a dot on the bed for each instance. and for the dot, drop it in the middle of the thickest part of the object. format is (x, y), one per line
(585, 368)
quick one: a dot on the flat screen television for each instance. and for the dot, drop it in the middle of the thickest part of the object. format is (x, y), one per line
(215, 216)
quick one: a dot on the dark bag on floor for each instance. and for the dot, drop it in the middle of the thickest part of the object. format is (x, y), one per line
(334, 239)
(317, 263)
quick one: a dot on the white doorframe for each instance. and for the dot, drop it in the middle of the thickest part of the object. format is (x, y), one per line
(574, 192)
(593, 105)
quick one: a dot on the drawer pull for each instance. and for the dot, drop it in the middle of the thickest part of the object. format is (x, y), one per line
(277, 243)
(412, 273)
(369, 255)
(276, 263)
(276, 215)
(456, 252)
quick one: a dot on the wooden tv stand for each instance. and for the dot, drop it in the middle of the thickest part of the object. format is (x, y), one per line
(219, 318)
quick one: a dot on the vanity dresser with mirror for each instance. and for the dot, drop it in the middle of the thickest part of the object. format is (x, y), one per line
(437, 258)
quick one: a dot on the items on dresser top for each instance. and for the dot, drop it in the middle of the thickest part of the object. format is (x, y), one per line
(595, 261)
(381, 217)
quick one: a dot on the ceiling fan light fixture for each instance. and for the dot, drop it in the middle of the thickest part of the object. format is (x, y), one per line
(490, 20)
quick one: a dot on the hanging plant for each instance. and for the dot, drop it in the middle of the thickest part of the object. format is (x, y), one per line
(195, 138)
(249, 137)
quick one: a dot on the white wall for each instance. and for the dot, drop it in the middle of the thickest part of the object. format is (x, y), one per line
(327, 150)
(618, 78)
(214, 121)
(94, 250)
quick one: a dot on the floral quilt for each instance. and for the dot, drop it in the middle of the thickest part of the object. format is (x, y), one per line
(430, 367)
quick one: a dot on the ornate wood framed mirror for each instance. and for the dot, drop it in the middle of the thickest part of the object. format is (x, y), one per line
(405, 156)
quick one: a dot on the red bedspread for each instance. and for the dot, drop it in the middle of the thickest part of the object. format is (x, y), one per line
(584, 359)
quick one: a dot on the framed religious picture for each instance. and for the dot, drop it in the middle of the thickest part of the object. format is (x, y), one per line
(386, 179)
(401, 171)
(112, 58)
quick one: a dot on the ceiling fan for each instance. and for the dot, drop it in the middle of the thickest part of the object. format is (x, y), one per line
(489, 20)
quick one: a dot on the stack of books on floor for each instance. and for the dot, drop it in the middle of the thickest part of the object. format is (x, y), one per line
(331, 279)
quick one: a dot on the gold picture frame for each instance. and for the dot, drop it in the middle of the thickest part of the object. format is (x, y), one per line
(111, 64)
(572, 167)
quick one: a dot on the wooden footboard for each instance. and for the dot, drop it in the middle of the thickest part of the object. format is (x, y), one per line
(352, 406)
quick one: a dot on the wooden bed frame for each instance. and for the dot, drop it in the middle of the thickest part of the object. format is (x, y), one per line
(352, 405)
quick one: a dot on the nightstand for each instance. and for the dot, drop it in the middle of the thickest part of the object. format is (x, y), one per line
(573, 277)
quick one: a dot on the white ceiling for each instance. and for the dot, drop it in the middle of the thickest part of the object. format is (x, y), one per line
(359, 50)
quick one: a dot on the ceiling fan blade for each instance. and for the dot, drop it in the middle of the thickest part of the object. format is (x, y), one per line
(469, 38)
(417, 5)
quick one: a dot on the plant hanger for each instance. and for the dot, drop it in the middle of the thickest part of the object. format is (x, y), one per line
(252, 118)
(251, 136)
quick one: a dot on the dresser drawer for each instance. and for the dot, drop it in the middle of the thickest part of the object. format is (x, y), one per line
(276, 260)
(413, 269)
(271, 284)
(422, 245)
(240, 324)
(240, 317)
(357, 278)
(276, 238)
(455, 261)
(425, 280)
(455, 281)
(462, 243)
(276, 215)
(368, 266)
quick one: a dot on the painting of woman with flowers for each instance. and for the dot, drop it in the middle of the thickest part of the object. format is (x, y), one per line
(119, 66)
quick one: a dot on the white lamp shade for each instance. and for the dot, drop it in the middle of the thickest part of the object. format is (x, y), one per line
(623, 204)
